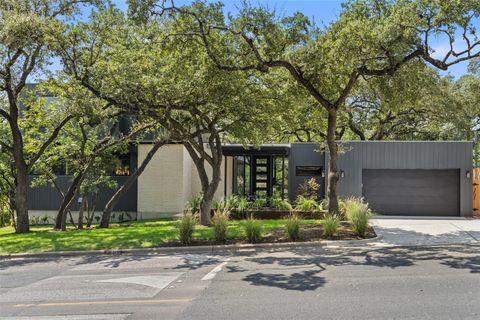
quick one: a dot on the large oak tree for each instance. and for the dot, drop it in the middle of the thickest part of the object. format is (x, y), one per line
(369, 39)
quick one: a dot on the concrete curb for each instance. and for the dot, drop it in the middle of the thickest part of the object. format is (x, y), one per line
(195, 249)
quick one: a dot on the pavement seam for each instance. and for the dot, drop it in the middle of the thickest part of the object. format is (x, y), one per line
(463, 230)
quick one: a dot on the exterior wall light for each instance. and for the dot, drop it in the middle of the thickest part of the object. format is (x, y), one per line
(342, 174)
(468, 174)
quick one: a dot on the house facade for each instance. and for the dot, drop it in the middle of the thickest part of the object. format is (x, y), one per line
(430, 178)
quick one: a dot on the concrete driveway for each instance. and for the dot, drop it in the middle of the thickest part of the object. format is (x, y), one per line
(406, 231)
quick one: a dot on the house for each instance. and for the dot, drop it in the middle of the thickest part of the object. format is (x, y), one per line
(430, 178)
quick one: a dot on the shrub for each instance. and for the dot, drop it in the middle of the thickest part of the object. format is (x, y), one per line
(305, 204)
(309, 189)
(259, 203)
(218, 205)
(228, 203)
(280, 204)
(185, 227)
(253, 230)
(358, 213)
(330, 223)
(231, 201)
(5, 219)
(242, 204)
(341, 206)
(194, 204)
(292, 227)
(220, 224)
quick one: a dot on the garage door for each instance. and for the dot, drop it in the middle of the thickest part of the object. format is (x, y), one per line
(412, 192)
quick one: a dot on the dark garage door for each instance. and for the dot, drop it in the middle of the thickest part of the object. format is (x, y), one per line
(412, 192)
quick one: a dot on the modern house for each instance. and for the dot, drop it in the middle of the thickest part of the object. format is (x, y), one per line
(430, 178)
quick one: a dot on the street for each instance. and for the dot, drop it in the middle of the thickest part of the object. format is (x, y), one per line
(302, 283)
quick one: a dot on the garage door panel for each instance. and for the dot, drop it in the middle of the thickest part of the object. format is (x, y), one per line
(412, 192)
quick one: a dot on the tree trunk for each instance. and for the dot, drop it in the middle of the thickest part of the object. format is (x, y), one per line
(209, 187)
(21, 201)
(80, 212)
(91, 210)
(208, 194)
(11, 203)
(60, 220)
(332, 165)
(107, 212)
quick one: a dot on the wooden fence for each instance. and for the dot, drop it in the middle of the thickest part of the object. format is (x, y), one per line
(476, 191)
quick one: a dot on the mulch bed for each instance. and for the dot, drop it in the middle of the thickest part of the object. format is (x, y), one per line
(314, 232)
(308, 232)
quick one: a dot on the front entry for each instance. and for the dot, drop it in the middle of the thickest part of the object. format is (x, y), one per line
(262, 185)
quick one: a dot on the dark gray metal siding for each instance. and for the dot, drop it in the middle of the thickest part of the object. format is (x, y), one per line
(412, 192)
(47, 197)
(304, 154)
(358, 155)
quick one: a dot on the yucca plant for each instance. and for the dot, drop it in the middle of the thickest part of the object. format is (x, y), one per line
(242, 204)
(280, 204)
(194, 204)
(259, 203)
(305, 204)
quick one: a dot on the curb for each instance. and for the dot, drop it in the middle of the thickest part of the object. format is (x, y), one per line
(195, 249)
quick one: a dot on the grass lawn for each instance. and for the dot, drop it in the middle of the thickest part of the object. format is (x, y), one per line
(137, 234)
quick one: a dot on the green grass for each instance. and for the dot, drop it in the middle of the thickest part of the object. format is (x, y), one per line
(138, 234)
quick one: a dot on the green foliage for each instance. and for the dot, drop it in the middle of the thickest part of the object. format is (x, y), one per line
(253, 230)
(243, 204)
(358, 213)
(194, 204)
(5, 218)
(259, 203)
(280, 204)
(309, 189)
(292, 227)
(228, 203)
(220, 223)
(137, 234)
(305, 204)
(186, 226)
(330, 223)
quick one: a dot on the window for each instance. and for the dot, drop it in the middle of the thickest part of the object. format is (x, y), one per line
(122, 165)
(241, 175)
(308, 170)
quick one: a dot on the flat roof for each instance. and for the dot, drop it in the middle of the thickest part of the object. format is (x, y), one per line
(264, 149)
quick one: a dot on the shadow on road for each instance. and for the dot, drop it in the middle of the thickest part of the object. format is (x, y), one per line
(315, 261)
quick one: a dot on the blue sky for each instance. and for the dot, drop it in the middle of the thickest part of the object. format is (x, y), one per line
(320, 11)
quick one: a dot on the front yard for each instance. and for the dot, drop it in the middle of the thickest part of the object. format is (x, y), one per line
(148, 234)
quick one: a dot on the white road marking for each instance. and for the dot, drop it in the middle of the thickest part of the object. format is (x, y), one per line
(158, 282)
(214, 271)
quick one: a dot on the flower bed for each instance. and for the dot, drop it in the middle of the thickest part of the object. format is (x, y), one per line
(269, 213)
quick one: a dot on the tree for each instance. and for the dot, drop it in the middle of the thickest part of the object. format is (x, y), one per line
(370, 39)
(137, 67)
(24, 50)
(397, 107)
(89, 144)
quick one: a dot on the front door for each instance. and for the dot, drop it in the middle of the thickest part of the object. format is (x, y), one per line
(262, 176)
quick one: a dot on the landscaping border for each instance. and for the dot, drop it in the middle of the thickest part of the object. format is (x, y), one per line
(194, 249)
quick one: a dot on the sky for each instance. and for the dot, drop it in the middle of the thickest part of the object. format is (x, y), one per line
(322, 12)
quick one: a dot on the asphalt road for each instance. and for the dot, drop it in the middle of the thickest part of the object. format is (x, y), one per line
(304, 283)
